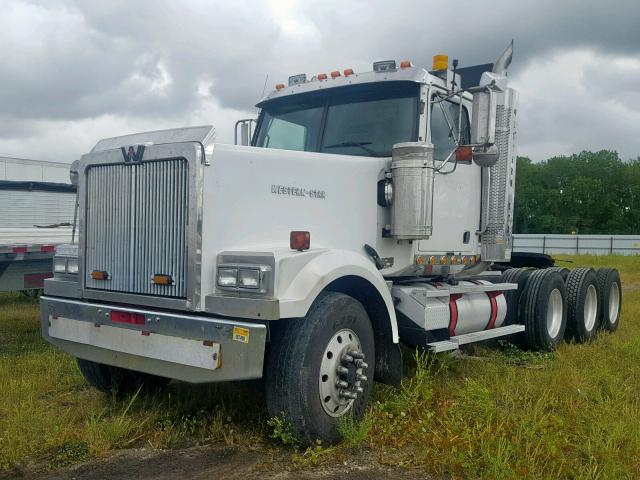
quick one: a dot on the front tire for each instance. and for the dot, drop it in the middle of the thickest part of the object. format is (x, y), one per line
(317, 368)
(107, 378)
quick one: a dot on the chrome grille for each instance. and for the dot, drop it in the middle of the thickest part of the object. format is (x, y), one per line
(136, 226)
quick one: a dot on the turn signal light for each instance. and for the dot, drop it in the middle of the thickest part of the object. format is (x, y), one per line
(100, 275)
(127, 317)
(335, 74)
(406, 64)
(464, 153)
(300, 240)
(322, 76)
(161, 279)
(279, 86)
(348, 71)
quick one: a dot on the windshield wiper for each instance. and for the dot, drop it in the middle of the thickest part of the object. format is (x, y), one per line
(361, 145)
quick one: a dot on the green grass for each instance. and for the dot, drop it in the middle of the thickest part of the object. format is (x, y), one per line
(574, 413)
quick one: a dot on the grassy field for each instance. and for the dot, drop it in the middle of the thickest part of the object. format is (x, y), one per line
(497, 413)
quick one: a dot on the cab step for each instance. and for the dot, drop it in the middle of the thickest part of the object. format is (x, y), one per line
(454, 342)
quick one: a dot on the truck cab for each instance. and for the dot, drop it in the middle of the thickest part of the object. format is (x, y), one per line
(367, 209)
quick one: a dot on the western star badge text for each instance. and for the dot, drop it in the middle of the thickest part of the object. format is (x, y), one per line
(297, 191)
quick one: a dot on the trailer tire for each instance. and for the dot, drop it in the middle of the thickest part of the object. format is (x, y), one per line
(610, 298)
(543, 310)
(297, 371)
(108, 379)
(583, 305)
(562, 271)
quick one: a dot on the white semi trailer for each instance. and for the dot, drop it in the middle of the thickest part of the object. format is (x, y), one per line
(367, 209)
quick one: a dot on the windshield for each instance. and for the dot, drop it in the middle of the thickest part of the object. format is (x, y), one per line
(358, 120)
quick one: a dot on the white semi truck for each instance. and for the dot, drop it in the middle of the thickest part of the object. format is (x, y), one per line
(367, 209)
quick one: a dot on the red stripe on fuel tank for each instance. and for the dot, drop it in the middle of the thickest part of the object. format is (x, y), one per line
(453, 313)
(494, 309)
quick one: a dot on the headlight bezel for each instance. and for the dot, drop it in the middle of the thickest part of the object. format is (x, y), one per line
(262, 273)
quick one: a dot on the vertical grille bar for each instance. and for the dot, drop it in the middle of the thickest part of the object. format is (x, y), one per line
(136, 226)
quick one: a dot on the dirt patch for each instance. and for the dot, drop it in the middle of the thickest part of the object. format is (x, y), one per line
(630, 287)
(206, 462)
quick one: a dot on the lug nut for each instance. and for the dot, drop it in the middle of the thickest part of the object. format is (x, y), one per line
(362, 378)
(356, 354)
(347, 359)
(359, 389)
(361, 364)
(341, 384)
(348, 394)
(340, 370)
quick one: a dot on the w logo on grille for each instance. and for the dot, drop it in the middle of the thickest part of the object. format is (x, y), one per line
(132, 153)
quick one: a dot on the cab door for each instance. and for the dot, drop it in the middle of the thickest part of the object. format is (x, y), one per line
(457, 186)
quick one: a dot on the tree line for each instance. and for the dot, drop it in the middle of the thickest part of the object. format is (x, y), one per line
(586, 193)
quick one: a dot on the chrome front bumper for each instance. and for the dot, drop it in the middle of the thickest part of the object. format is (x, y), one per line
(185, 347)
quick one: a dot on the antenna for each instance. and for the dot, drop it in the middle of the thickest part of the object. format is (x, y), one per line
(264, 87)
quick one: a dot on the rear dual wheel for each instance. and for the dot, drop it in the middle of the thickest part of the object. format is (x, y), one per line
(610, 298)
(543, 310)
(583, 304)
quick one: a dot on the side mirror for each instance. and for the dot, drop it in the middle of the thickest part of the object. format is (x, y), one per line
(483, 128)
(73, 172)
(483, 119)
(246, 131)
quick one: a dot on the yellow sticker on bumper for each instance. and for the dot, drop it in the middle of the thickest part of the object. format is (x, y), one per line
(241, 334)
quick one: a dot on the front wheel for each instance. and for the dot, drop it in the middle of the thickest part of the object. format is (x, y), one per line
(107, 378)
(318, 368)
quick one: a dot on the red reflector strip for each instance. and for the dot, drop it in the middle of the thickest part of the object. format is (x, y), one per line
(47, 248)
(494, 309)
(19, 249)
(127, 317)
(453, 312)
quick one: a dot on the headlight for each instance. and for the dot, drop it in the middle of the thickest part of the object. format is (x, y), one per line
(59, 265)
(227, 277)
(249, 278)
(72, 266)
(238, 277)
(66, 259)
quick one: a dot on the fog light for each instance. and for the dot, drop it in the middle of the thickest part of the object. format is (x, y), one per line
(227, 277)
(249, 278)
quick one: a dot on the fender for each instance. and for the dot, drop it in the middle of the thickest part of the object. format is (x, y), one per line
(302, 277)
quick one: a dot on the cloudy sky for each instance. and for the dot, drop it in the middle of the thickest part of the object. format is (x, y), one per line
(73, 72)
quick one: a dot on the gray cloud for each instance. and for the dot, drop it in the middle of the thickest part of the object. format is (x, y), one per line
(73, 69)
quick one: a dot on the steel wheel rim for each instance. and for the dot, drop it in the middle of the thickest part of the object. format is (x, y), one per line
(614, 302)
(590, 308)
(341, 378)
(554, 313)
